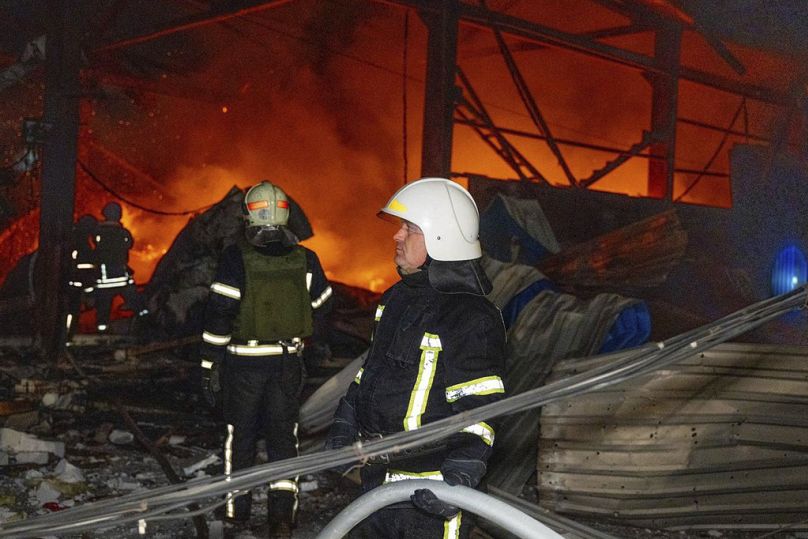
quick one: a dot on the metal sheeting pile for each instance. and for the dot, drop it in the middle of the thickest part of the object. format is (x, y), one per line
(171, 501)
(718, 440)
(551, 327)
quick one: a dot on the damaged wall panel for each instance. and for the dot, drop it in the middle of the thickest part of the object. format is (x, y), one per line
(719, 439)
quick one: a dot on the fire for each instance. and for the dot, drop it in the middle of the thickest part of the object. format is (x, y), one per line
(318, 109)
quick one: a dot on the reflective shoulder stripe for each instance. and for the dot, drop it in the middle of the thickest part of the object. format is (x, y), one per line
(358, 378)
(379, 311)
(324, 296)
(481, 386)
(218, 340)
(283, 484)
(205, 364)
(225, 290)
(308, 280)
(393, 476)
(483, 430)
(431, 342)
(430, 349)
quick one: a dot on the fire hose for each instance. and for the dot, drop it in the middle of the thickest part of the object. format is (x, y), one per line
(488, 507)
(171, 501)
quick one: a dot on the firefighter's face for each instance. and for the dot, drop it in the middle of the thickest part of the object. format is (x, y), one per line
(410, 247)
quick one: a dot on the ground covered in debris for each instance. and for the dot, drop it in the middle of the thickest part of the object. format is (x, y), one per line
(65, 442)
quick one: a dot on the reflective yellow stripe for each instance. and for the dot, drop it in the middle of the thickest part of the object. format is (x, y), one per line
(225, 290)
(379, 311)
(431, 342)
(483, 430)
(212, 338)
(430, 348)
(324, 296)
(358, 378)
(481, 386)
(399, 475)
(451, 528)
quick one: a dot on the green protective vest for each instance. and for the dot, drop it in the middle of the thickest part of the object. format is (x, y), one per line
(276, 304)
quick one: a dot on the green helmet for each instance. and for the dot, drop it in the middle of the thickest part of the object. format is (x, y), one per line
(266, 204)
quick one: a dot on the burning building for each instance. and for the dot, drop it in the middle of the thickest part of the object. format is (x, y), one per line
(609, 113)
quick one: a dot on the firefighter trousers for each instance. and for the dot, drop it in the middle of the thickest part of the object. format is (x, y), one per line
(262, 400)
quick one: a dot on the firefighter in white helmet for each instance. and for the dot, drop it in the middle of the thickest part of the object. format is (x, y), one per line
(438, 349)
(269, 293)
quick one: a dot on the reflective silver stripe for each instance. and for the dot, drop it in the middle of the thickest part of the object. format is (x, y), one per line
(397, 475)
(110, 285)
(308, 281)
(85, 265)
(211, 338)
(258, 350)
(225, 290)
(324, 296)
(430, 348)
(379, 311)
(358, 378)
(481, 386)
(284, 484)
(230, 506)
(69, 321)
(121, 279)
(206, 364)
(483, 430)
(102, 327)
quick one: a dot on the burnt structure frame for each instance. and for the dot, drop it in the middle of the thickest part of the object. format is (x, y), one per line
(442, 19)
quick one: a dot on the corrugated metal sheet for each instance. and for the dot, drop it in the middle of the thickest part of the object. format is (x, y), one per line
(528, 213)
(550, 327)
(719, 439)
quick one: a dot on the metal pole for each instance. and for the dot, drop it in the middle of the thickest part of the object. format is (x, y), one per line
(663, 110)
(61, 118)
(440, 90)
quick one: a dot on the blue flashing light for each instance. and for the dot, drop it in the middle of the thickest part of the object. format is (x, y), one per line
(790, 270)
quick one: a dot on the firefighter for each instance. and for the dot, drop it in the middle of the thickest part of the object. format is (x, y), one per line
(268, 295)
(83, 271)
(437, 350)
(112, 244)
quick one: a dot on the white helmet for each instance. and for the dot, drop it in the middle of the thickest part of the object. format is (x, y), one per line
(445, 212)
(266, 204)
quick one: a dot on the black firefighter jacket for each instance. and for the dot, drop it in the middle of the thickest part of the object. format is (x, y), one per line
(433, 355)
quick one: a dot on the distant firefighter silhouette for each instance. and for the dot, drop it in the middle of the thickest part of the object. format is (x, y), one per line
(112, 244)
(83, 270)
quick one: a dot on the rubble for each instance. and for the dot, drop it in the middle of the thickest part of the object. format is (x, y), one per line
(19, 443)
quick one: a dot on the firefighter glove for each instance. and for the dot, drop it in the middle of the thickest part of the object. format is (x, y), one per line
(344, 430)
(425, 500)
(211, 386)
(466, 472)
